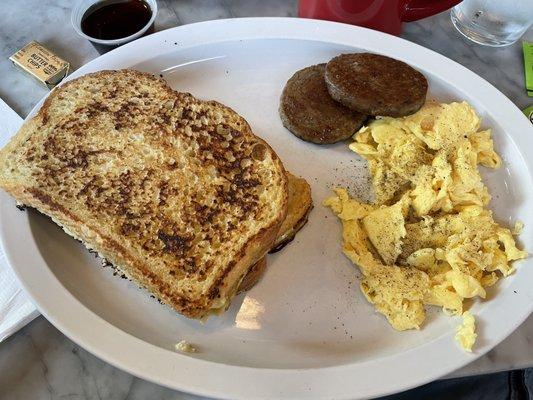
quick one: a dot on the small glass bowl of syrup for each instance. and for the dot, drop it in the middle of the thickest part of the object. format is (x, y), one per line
(111, 23)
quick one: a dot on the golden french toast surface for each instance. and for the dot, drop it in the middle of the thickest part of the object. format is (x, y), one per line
(176, 191)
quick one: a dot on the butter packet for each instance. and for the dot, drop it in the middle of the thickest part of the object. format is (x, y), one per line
(41, 63)
(528, 66)
(529, 113)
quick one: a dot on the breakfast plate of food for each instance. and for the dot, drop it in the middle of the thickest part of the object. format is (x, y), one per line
(274, 208)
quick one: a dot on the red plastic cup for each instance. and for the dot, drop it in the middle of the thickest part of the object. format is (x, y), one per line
(382, 15)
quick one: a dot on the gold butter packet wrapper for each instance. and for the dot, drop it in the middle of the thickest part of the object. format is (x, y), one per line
(41, 63)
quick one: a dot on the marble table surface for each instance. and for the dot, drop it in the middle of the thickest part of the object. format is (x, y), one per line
(39, 362)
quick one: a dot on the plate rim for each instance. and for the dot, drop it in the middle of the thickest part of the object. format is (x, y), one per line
(188, 374)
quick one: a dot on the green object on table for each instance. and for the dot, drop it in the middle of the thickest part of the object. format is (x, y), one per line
(528, 66)
(529, 113)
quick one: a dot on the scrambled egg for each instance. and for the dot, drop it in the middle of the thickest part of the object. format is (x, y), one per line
(466, 333)
(428, 239)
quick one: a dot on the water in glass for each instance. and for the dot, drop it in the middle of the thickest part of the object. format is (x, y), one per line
(493, 22)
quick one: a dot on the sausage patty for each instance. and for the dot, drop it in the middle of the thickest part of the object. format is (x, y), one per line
(307, 110)
(375, 85)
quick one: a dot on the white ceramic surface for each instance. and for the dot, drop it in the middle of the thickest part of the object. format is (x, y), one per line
(304, 331)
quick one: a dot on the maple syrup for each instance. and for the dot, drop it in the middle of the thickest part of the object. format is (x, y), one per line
(112, 19)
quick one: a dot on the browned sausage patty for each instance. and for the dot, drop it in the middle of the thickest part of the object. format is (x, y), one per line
(376, 85)
(308, 111)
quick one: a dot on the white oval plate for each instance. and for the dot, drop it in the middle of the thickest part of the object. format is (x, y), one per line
(305, 331)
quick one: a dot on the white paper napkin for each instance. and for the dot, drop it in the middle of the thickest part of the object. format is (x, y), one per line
(16, 309)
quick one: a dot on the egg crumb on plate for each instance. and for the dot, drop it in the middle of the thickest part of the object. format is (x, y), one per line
(185, 347)
(428, 238)
(466, 332)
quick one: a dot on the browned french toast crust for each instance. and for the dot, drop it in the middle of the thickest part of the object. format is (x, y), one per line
(176, 192)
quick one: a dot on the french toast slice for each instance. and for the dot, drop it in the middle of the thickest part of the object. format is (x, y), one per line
(176, 192)
(254, 274)
(299, 206)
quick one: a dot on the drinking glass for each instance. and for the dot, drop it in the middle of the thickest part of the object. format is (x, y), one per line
(493, 22)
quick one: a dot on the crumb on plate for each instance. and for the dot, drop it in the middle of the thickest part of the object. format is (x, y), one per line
(466, 332)
(185, 347)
